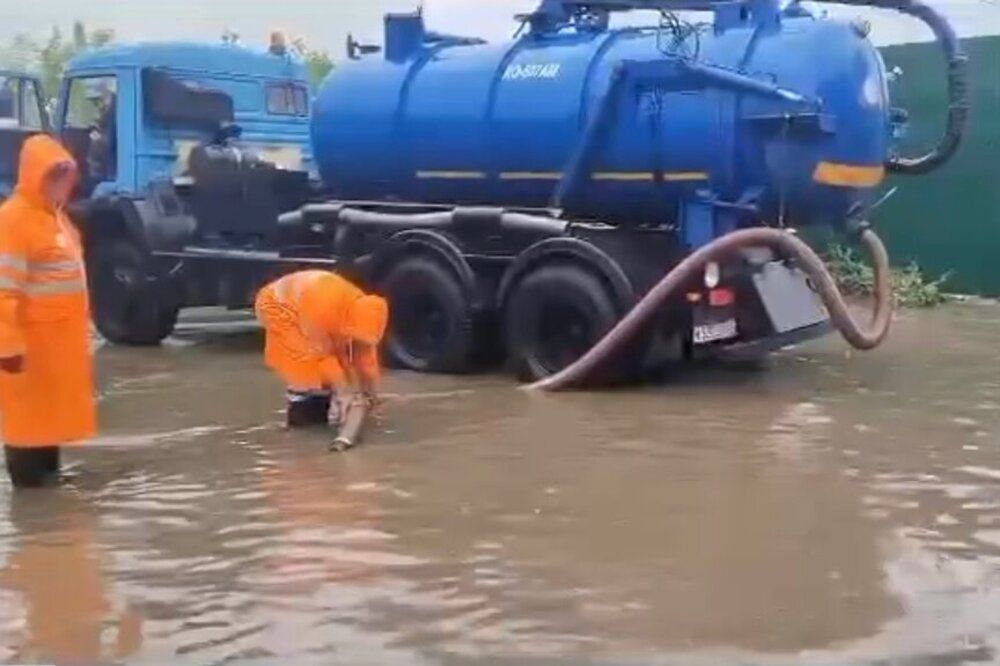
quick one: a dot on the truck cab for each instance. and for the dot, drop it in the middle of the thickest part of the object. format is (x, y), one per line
(22, 114)
(159, 130)
(113, 98)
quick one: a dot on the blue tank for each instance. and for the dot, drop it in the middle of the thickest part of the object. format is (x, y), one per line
(781, 116)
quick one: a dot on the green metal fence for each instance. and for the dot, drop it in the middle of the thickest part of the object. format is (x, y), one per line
(949, 221)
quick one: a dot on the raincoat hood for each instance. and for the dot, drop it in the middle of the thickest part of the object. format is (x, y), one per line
(40, 154)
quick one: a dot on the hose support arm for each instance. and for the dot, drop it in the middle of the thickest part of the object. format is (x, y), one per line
(958, 84)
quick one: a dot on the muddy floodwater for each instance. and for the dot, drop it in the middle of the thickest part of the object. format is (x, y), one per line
(833, 508)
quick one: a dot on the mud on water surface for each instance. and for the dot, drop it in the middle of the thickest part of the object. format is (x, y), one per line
(833, 508)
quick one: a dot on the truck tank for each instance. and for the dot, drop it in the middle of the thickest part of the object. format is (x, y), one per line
(620, 125)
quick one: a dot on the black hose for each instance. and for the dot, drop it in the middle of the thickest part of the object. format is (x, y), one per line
(958, 84)
(644, 314)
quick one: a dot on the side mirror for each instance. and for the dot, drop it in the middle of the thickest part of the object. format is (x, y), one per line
(228, 132)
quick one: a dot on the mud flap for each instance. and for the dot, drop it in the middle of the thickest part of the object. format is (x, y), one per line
(794, 312)
(787, 298)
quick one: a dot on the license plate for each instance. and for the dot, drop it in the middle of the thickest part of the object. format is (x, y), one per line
(706, 333)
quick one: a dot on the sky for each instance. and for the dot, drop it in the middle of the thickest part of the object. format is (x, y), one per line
(325, 24)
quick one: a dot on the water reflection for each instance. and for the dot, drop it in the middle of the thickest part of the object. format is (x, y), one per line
(836, 507)
(54, 575)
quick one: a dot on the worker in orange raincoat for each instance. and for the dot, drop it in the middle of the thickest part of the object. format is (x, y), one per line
(46, 385)
(323, 335)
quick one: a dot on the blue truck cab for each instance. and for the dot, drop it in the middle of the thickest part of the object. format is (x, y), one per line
(269, 96)
(185, 150)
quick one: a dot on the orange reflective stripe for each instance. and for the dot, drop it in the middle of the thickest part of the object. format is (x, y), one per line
(13, 272)
(14, 262)
(848, 175)
(10, 284)
(290, 288)
(54, 266)
(62, 276)
(72, 286)
(283, 289)
(52, 276)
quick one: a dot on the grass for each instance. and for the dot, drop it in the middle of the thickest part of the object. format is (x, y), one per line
(910, 285)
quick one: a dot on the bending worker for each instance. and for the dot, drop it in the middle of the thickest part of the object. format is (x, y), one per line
(46, 384)
(322, 339)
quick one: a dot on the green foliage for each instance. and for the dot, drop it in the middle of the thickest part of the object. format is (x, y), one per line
(318, 63)
(909, 284)
(19, 55)
(48, 59)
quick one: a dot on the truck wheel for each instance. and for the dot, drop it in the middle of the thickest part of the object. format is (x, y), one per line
(432, 324)
(554, 316)
(124, 309)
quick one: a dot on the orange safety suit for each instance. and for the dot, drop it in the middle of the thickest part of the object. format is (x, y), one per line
(44, 314)
(310, 319)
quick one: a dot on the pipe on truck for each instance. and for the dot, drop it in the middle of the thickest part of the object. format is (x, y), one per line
(540, 225)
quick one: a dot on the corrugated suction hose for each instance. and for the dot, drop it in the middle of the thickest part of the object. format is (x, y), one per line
(584, 370)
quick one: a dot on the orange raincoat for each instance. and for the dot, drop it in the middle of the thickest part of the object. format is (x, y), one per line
(310, 318)
(44, 315)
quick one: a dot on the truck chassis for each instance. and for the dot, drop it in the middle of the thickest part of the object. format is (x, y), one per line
(468, 286)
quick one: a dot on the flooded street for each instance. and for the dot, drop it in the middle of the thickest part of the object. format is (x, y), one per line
(835, 507)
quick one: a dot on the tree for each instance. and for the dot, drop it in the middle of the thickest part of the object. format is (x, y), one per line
(57, 52)
(318, 63)
(20, 55)
(49, 60)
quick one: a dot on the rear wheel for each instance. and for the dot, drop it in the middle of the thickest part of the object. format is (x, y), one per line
(556, 315)
(125, 307)
(432, 325)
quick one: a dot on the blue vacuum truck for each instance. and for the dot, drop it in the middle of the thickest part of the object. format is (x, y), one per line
(585, 197)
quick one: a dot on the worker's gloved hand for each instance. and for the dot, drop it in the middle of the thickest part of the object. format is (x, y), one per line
(373, 403)
(13, 365)
(372, 400)
(368, 392)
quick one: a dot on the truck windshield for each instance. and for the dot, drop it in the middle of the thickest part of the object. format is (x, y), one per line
(91, 101)
(8, 102)
(20, 106)
(31, 105)
(287, 99)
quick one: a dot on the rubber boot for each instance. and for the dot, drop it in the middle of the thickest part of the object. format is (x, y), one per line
(32, 467)
(308, 409)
